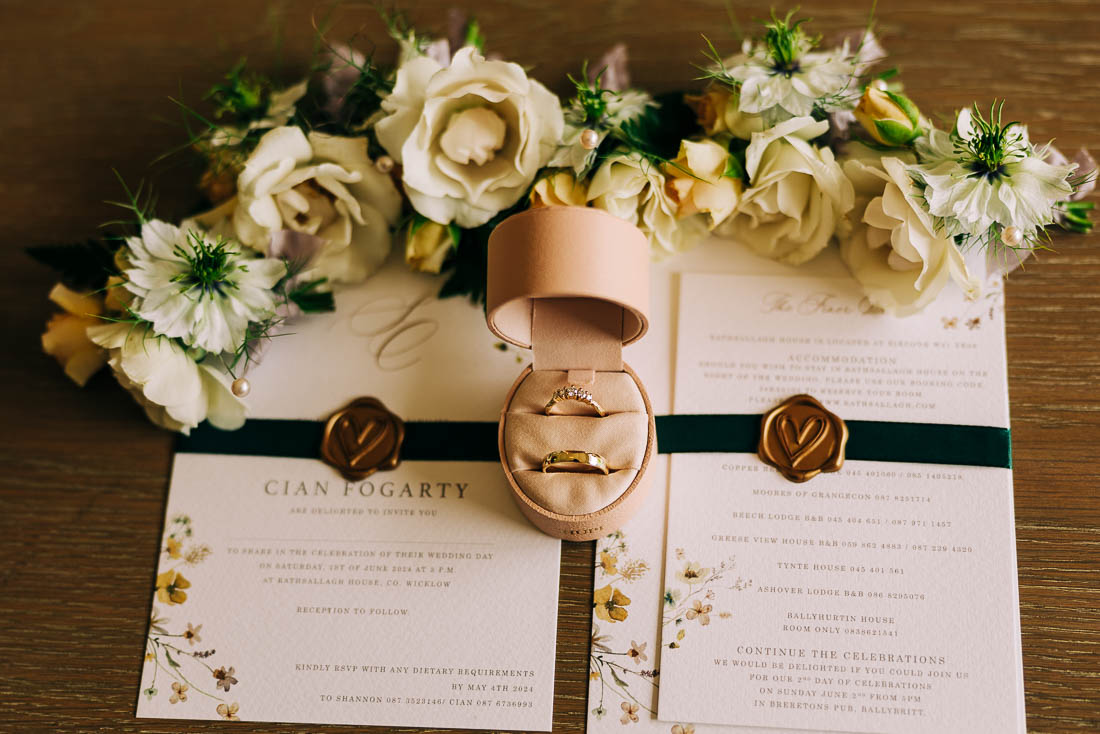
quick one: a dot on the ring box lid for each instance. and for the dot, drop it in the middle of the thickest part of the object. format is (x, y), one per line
(576, 268)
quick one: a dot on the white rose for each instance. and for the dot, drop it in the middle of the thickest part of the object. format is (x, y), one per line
(894, 250)
(176, 392)
(322, 185)
(633, 188)
(470, 137)
(798, 193)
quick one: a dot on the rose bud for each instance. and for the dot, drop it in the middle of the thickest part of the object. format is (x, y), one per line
(890, 118)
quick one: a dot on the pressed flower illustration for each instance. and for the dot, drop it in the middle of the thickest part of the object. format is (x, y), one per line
(179, 692)
(637, 652)
(228, 711)
(165, 653)
(191, 634)
(610, 659)
(683, 729)
(170, 587)
(693, 603)
(224, 678)
(610, 604)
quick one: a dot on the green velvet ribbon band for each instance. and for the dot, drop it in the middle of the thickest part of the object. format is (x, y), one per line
(916, 443)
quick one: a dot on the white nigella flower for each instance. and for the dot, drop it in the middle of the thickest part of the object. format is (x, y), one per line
(990, 179)
(195, 288)
(618, 108)
(783, 77)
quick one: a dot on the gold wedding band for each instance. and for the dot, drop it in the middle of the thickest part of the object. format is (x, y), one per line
(575, 461)
(573, 392)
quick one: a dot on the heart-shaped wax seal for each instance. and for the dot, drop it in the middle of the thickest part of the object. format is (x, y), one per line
(802, 439)
(361, 438)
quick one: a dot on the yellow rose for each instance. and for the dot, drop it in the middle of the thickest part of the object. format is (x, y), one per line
(889, 118)
(427, 245)
(66, 337)
(697, 181)
(559, 189)
(719, 111)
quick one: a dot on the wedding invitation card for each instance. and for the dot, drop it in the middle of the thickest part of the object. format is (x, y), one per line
(285, 592)
(879, 598)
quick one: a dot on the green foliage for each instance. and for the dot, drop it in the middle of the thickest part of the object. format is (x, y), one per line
(1075, 216)
(310, 298)
(243, 97)
(657, 132)
(82, 266)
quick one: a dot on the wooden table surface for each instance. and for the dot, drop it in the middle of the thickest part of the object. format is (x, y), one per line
(84, 88)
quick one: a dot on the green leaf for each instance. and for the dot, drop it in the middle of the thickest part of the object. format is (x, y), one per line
(906, 106)
(456, 235)
(83, 266)
(618, 680)
(170, 659)
(311, 300)
(895, 133)
(734, 168)
(474, 36)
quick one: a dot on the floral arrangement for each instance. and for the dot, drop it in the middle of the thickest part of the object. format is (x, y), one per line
(790, 145)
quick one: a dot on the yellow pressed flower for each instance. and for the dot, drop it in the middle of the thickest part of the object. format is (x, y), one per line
(608, 563)
(191, 634)
(172, 547)
(609, 604)
(594, 675)
(170, 585)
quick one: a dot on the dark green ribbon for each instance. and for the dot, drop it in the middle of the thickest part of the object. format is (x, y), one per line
(916, 443)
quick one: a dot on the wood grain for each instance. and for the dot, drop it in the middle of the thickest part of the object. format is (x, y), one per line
(84, 89)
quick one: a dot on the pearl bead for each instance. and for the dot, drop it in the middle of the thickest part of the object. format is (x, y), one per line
(384, 164)
(1012, 236)
(241, 387)
(879, 84)
(590, 139)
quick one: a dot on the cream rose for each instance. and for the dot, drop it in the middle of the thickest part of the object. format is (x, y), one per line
(321, 185)
(894, 251)
(176, 392)
(634, 189)
(66, 337)
(470, 137)
(798, 193)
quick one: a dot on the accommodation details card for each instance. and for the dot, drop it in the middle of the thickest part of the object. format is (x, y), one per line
(881, 598)
(285, 593)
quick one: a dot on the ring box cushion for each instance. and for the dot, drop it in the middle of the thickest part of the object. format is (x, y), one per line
(572, 284)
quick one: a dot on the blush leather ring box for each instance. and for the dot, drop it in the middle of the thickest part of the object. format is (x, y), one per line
(572, 285)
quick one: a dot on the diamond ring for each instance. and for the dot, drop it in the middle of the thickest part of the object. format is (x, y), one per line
(573, 392)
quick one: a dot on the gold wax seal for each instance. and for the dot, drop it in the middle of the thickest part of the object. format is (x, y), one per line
(361, 438)
(801, 439)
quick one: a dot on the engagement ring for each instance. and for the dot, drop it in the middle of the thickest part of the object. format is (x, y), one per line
(572, 392)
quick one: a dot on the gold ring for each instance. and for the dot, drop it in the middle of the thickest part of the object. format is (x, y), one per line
(581, 462)
(573, 392)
